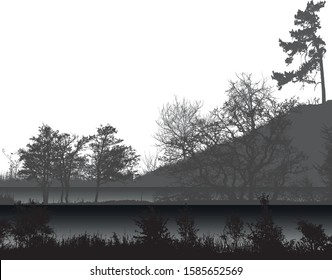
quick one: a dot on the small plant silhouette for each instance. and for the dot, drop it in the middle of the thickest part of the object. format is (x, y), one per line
(187, 228)
(152, 229)
(265, 235)
(233, 232)
(4, 231)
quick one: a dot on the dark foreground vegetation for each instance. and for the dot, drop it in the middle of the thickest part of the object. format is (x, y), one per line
(29, 236)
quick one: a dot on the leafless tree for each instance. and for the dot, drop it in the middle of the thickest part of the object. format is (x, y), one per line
(13, 164)
(178, 129)
(240, 146)
(252, 126)
(150, 162)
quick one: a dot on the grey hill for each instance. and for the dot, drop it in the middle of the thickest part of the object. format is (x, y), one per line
(305, 132)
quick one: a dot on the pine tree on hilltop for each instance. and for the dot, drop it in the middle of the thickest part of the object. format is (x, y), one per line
(309, 45)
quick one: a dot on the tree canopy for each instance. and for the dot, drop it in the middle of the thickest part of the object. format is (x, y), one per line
(59, 156)
(109, 159)
(38, 159)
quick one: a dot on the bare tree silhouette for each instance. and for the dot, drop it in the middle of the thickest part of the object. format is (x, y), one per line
(13, 164)
(237, 148)
(251, 125)
(177, 129)
(150, 162)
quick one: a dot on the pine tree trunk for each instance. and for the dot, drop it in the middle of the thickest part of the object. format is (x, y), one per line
(322, 78)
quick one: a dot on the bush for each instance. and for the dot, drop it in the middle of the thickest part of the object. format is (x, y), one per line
(313, 237)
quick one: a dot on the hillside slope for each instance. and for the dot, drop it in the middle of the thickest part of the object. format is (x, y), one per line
(306, 134)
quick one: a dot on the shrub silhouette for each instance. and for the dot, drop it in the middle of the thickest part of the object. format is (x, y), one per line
(264, 235)
(4, 231)
(207, 242)
(233, 232)
(152, 229)
(187, 228)
(115, 239)
(30, 227)
(313, 237)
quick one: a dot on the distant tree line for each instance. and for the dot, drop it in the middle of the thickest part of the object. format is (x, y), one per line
(52, 155)
(30, 231)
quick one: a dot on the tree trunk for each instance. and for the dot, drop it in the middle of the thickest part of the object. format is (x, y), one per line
(67, 187)
(62, 191)
(97, 192)
(322, 78)
(61, 199)
(45, 193)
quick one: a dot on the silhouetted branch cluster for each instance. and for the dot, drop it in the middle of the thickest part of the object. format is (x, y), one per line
(14, 164)
(150, 163)
(238, 147)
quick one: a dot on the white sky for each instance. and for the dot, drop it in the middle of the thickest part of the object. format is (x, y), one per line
(77, 64)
